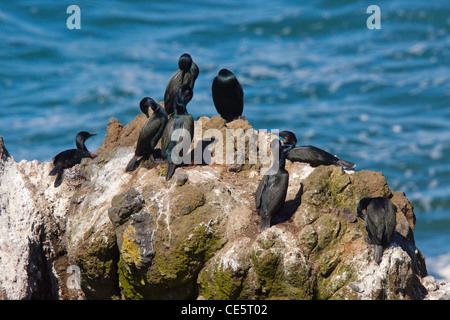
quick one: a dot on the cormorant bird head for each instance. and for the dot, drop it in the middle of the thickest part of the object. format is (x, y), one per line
(148, 103)
(277, 146)
(225, 73)
(288, 138)
(362, 207)
(184, 95)
(81, 138)
(184, 64)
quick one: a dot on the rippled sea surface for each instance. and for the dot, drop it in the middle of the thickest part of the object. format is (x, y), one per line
(377, 97)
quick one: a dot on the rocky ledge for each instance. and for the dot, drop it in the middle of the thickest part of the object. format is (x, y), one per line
(107, 234)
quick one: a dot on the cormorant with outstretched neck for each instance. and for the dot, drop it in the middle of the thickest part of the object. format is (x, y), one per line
(69, 158)
(181, 119)
(379, 214)
(150, 133)
(186, 75)
(310, 154)
(228, 96)
(272, 189)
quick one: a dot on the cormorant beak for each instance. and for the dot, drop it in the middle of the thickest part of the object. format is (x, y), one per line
(285, 141)
(361, 213)
(92, 134)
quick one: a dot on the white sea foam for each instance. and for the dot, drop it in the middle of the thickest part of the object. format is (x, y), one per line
(440, 266)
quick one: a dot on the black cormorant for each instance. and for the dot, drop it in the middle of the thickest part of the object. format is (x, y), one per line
(186, 75)
(69, 158)
(272, 189)
(181, 119)
(228, 96)
(151, 132)
(379, 214)
(310, 154)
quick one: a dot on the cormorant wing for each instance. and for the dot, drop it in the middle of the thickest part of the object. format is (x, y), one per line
(375, 222)
(148, 131)
(64, 156)
(390, 220)
(322, 154)
(278, 184)
(171, 90)
(259, 191)
(167, 134)
(310, 154)
(188, 124)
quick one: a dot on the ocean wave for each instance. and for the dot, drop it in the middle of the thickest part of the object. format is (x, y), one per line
(439, 266)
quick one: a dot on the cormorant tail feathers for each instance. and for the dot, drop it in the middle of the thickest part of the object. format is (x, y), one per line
(377, 253)
(265, 224)
(170, 170)
(132, 165)
(59, 178)
(55, 170)
(347, 164)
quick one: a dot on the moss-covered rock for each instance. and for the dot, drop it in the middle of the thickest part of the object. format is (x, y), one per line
(138, 236)
(124, 205)
(186, 199)
(196, 236)
(174, 273)
(135, 241)
(97, 259)
(335, 244)
(224, 276)
(281, 269)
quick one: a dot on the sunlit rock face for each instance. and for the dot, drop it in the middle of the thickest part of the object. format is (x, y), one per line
(137, 236)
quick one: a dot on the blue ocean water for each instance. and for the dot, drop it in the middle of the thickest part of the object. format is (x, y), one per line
(377, 97)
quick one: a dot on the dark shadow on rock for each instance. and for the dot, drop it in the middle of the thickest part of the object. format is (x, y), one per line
(289, 208)
(410, 248)
(414, 289)
(41, 279)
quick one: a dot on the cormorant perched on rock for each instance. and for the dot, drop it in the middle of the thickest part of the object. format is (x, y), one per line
(272, 189)
(181, 119)
(379, 214)
(69, 158)
(151, 132)
(228, 96)
(187, 75)
(310, 154)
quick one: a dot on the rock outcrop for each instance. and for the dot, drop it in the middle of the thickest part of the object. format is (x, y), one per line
(107, 234)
